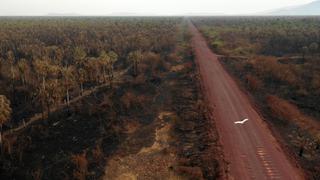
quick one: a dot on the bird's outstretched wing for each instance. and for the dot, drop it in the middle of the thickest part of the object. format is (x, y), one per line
(245, 120)
(241, 122)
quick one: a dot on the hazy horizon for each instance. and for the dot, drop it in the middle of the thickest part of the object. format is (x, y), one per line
(141, 7)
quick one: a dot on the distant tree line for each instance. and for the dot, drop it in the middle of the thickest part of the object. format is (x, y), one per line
(276, 36)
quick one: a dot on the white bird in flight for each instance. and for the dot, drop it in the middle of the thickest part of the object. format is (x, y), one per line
(241, 122)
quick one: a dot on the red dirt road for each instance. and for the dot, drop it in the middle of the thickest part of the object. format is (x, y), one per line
(250, 148)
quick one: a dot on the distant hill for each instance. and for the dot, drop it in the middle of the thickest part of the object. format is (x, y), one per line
(312, 8)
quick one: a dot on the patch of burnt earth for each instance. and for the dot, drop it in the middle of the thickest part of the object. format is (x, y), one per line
(151, 161)
(71, 143)
(147, 152)
(77, 143)
(174, 144)
(197, 147)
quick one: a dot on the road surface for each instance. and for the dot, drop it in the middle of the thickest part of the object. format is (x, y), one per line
(250, 148)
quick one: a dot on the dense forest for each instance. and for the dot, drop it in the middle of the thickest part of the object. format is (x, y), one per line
(277, 36)
(93, 98)
(45, 62)
(277, 60)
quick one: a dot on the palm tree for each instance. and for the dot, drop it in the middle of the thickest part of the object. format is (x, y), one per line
(93, 67)
(80, 61)
(5, 113)
(68, 76)
(304, 50)
(1, 61)
(23, 67)
(52, 93)
(113, 58)
(79, 57)
(52, 86)
(107, 61)
(313, 48)
(41, 68)
(11, 59)
(82, 78)
(104, 60)
(135, 57)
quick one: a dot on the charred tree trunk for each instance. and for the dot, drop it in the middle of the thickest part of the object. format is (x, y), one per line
(104, 74)
(43, 96)
(81, 88)
(135, 68)
(110, 76)
(42, 109)
(301, 150)
(48, 109)
(0, 137)
(12, 84)
(68, 98)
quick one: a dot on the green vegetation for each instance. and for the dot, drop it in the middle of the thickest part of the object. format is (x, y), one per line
(277, 36)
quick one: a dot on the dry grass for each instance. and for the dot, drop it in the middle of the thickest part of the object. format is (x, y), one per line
(151, 162)
(287, 111)
(194, 173)
(161, 141)
(269, 66)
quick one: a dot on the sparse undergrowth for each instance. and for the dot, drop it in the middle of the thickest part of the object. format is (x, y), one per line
(197, 150)
(152, 124)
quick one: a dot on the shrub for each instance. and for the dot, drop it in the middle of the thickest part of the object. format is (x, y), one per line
(37, 174)
(253, 83)
(269, 68)
(97, 153)
(290, 112)
(194, 173)
(282, 108)
(81, 163)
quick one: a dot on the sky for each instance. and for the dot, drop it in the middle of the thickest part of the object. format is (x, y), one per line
(141, 7)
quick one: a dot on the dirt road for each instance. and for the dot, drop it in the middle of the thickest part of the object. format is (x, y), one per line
(250, 148)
